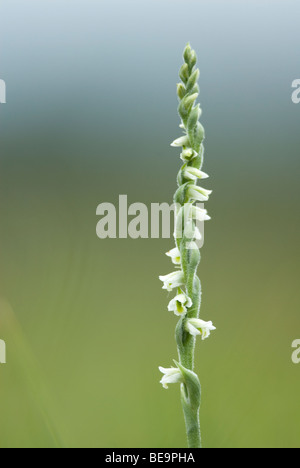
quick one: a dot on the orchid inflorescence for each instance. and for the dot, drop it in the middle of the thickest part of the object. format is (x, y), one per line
(186, 256)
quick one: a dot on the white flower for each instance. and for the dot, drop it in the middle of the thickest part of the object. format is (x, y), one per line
(188, 154)
(200, 214)
(198, 193)
(171, 375)
(180, 304)
(174, 254)
(189, 229)
(199, 327)
(193, 174)
(182, 141)
(197, 234)
(173, 280)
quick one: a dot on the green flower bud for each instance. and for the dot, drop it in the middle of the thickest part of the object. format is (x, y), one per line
(195, 89)
(198, 136)
(192, 80)
(185, 106)
(193, 118)
(181, 196)
(184, 73)
(190, 57)
(187, 54)
(191, 394)
(181, 91)
(193, 59)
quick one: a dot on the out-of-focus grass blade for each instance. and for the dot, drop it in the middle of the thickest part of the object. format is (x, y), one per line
(20, 354)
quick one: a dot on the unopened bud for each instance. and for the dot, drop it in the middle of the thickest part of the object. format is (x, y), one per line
(184, 73)
(192, 80)
(193, 117)
(181, 91)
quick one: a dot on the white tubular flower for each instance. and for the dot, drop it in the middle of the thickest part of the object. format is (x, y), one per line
(174, 254)
(199, 327)
(171, 375)
(188, 154)
(173, 280)
(182, 141)
(198, 193)
(197, 234)
(193, 174)
(180, 304)
(200, 214)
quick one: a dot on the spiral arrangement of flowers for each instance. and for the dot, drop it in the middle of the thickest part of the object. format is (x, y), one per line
(186, 254)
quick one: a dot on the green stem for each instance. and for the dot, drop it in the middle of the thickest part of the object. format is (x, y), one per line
(192, 423)
(190, 397)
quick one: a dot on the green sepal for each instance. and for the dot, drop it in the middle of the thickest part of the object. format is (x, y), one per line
(186, 105)
(190, 57)
(187, 54)
(180, 177)
(181, 335)
(191, 400)
(181, 194)
(181, 91)
(198, 161)
(193, 118)
(196, 136)
(195, 89)
(193, 60)
(191, 259)
(192, 393)
(192, 80)
(184, 73)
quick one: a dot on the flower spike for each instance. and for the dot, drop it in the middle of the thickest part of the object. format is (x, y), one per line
(186, 255)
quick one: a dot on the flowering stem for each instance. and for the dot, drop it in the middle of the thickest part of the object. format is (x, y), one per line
(186, 255)
(186, 345)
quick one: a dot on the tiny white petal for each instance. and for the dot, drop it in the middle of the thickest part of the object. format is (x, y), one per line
(197, 234)
(180, 304)
(173, 280)
(174, 254)
(200, 214)
(199, 327)
(188, 154)
(168, 370)
(198, 193)
(192, 330)
(171, 375)
(193, 174)
(182, 141)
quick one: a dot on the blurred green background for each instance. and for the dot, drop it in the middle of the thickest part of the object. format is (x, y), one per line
(90, 113)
